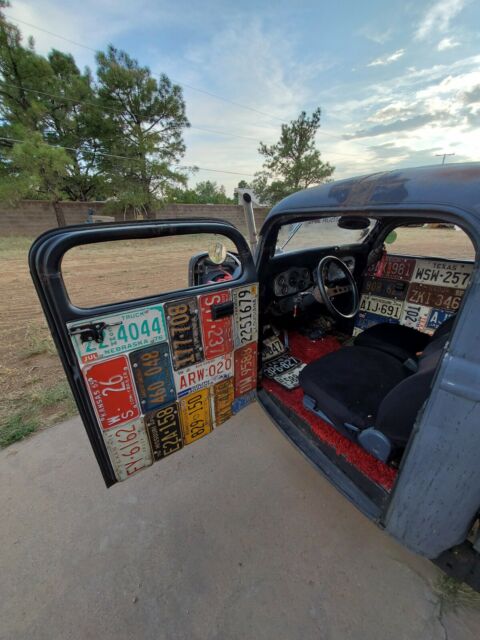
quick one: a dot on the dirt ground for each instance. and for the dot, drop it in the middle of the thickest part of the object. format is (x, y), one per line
(34, 390)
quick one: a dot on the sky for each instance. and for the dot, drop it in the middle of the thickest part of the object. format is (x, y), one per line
(398, 82)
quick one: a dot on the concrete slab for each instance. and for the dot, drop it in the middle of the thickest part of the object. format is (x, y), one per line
(233, 537)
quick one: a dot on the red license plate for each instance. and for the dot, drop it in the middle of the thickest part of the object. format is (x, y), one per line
(217, 334)
(431, 296)
(245, 369)
(398, 268)
(112, 392)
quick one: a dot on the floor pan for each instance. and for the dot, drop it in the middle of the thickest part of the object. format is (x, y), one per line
(308, 350)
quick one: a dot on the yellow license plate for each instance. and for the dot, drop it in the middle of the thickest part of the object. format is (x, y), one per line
(223, 397)
(195, 416)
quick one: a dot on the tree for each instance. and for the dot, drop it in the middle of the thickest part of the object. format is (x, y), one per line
(141, 131)
(293, 163)
(37, 170)
(207, 192)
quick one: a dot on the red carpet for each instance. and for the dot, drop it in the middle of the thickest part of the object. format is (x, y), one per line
(308, 350)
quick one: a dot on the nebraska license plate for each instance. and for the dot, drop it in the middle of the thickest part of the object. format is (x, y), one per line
(245, 314)
(163, 427)
(128, 449)
(184, 330)
(386, 307)
(398, 268)
(203, 374)
(223, 397)
(112, 391)
(433, 296)
(217, 334)
(245, 369)
(195, 416)
(385, 288)
(153, 376)
(123, 332)
(448, 274)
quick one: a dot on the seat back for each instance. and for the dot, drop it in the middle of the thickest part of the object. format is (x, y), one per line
(398, 410)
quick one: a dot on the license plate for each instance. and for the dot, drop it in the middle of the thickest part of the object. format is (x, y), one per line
(123, 332)
(245, 369)
(437, 317)
(449, 274)
(163, 428)
(245, 315)
(271, 348)
(203, 374)
(243, 401)
(364, 320)
(128, 449)
(223, 397)
(153, 376)
(385, 288)
(289, 380)
(385, 307)
(398, 268)
(217, 334)
(280, 365)
(184, 331)
(415, 316)
(112, 392)
(432, 296)
(195, 416)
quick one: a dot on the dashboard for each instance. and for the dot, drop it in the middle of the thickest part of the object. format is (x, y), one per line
(296, 279)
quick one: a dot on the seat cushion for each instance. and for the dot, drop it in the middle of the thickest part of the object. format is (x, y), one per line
(349, 385)
(395, 339)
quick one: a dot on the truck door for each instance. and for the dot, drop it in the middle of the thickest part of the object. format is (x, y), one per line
(153, 374)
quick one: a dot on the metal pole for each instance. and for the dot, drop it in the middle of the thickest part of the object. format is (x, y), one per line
(250, 220)
(443, 156)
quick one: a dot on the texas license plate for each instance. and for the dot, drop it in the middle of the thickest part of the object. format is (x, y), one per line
(217, 334)
(128, 449)
(385, 288)
(223, 397)
(386, 307)
(280, 365)
(449, 274)
(184, 331)
(112, 392)
(203, 374)
(289, 379)
(433, 296)
(245, 315)
(123, 332)
(153, 376)
(195, 416)
(398, 268)
(245, 369)
(163, 427)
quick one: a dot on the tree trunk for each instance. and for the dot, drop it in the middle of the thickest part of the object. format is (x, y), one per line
(59, 214)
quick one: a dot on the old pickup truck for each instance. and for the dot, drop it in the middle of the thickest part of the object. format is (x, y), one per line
(364, 351)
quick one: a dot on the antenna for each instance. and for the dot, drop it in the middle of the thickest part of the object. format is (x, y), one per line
(443, 156)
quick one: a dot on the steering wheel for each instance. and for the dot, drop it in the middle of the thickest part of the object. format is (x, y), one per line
(330, 290)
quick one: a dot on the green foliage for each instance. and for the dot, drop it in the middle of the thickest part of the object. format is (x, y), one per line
(16, 427)
(206, 192)
(293, 163)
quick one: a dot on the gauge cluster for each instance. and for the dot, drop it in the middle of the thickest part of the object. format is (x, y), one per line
(292, 281)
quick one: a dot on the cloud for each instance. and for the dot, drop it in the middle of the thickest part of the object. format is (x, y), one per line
(447, 43)
(384, 60)
(438, 17)
(472, 96)
(396, 126)
(377, 36)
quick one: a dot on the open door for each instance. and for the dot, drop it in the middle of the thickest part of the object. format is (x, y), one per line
(151, 375)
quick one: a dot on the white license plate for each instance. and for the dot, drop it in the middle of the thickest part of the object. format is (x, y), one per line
(271, 348)
(386, 307)
(416, 316)
(245, 306)
(128, 448)
(203, 374)
(289, 380)
(449, 274)
(123, 332)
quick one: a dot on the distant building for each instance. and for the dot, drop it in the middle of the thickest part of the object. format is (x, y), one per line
(239, 191)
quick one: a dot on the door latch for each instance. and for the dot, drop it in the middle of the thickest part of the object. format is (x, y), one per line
(93, 332)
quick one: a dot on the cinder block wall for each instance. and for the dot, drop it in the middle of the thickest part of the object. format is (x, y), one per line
(32, 217)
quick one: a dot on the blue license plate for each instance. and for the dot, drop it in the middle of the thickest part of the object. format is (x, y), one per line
(437, 317)
(366, 319)
(152, 372)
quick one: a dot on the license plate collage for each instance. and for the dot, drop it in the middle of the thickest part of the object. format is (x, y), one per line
(166, 375)
(416, 292)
